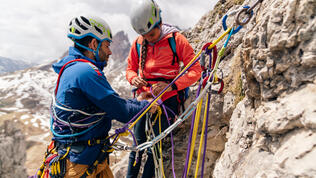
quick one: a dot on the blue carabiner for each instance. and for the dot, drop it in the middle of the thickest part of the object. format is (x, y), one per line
(236, 29)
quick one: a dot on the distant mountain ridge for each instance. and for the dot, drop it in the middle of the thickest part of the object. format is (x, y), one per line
(120, 48)
(10, 65)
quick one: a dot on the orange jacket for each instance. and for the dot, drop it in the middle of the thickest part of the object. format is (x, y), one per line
(158, 63)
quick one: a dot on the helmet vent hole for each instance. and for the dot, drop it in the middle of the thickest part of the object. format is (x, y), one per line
(148, 25)
(98, 29)
(70, 23)
(77, 32)
(80, 25)
(155, 13)
(85, 20)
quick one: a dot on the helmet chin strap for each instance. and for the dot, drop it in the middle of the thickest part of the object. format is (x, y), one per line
(96, 54)
(97, 58)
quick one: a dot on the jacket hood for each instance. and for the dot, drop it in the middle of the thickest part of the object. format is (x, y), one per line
(167, 29)
(74, 53)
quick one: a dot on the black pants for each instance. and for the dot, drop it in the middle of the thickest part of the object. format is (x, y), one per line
(139, 132)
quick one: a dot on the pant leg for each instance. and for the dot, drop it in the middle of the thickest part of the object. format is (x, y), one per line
(139, 132)
(171, 103)
(75, 170)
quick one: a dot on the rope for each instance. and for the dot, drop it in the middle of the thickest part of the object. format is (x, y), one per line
(190, 136)
(195, 130)
(204, 127)
(160, 150)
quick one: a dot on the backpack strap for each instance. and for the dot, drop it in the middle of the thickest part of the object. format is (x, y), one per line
(172, 44)
(95, 68)
(138, 47)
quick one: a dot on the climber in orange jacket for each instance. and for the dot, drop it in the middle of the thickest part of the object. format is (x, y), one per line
(158, 61)
(154, 61)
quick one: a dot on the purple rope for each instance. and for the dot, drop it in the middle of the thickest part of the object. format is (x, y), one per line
(117, 132)
(190, 136)
(134, 138)
(63, 124)
(207, 114)
(134, 141)
(167, 117)
(185, 170)
(172, 146)
(170, 110)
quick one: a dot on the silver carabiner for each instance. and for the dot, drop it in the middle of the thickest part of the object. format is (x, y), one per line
(248, 11)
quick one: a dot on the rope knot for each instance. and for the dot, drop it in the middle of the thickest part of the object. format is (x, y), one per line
(120, 130)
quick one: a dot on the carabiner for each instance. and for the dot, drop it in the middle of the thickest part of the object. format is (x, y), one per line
(231, 13)
(248, 11)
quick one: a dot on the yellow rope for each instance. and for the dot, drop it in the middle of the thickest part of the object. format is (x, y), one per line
(58, 167)
(219, 39)
(195, 129)
(68, 149)
(160, 147)
(146, 110)
(159, 114)
(202, 136)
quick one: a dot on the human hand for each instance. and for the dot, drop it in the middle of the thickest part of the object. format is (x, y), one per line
(138, 82)
(154, 107)
(158, 87)
(145, 96)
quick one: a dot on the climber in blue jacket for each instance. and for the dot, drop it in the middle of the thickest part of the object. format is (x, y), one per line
(84, 103)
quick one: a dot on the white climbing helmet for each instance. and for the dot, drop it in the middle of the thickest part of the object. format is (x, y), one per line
(145, 16)
(80, 27)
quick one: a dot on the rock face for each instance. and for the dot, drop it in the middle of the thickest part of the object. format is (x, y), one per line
(263, 124)
(115, 71)
(12, 151)
(120, 49)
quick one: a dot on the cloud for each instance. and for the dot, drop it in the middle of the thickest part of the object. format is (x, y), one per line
(35, 30)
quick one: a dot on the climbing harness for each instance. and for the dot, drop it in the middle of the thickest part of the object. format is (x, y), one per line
(54, 164)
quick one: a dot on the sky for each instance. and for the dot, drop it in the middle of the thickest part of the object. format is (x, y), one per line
(35, 30)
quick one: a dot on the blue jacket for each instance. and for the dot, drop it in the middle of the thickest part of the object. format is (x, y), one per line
(82, 88)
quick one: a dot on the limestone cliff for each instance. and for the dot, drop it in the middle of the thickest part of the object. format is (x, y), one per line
(12, 151)
(264, 123)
